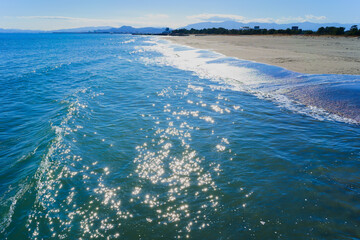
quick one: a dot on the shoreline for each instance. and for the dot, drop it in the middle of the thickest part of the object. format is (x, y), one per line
(303, 54)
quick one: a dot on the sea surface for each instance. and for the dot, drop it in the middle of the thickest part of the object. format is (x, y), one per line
(132, 137)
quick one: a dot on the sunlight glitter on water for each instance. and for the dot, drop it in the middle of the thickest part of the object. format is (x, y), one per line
(116, 140)
(168, 161)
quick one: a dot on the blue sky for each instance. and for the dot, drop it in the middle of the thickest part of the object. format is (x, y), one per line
(58, 14)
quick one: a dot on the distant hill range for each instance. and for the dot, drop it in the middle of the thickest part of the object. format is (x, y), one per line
(82, 29)
(120, 30)
(2, 30)
(202, 25)
(132, 30)
(104, 29)
(72, 30)
(238, 25)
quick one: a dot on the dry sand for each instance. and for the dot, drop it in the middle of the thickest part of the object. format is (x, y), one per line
(305, 54)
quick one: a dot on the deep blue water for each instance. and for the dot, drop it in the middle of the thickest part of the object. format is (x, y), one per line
(131, 137)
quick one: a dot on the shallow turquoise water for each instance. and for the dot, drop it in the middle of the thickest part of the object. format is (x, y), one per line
(129, 137)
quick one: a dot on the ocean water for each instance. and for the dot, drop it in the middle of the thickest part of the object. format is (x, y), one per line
(132, 137)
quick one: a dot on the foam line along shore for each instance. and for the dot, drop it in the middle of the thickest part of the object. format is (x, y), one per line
(304, 54)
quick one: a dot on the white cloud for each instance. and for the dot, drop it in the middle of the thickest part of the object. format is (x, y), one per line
(310, 18)
(316, 18)
(49, 17)
(71, 19)
(58, 22)
(141, 19)
(230, 17)
(153, 20)
(216, 17)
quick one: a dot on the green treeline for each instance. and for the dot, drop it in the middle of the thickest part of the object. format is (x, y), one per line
(354, 31)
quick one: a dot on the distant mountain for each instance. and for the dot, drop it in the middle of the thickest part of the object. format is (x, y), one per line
(2, 30)
(71, 30)
(130, 30)
(82, 29)
(103, 29)
(237, 25)
(202, 25)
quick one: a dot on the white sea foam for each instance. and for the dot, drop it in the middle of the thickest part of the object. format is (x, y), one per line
(42, 185)
(5, 222)
(312, 111)
(43, 181)
(214, 66)
(191, 60)
(196, 88)
(128, 41)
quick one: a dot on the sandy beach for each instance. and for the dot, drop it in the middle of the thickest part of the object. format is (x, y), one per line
(304, 54)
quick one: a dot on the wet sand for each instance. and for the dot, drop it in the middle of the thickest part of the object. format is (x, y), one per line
(304, 54)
